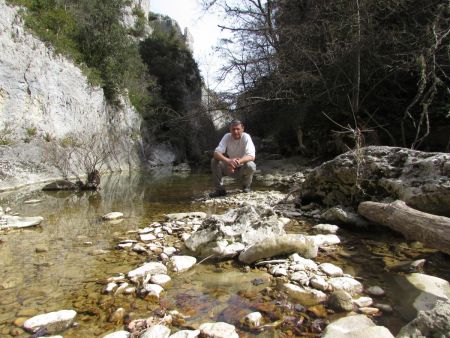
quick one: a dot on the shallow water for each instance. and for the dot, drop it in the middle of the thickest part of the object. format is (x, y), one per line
(61, 265)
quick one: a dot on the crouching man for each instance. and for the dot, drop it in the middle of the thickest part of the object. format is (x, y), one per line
(234, 156)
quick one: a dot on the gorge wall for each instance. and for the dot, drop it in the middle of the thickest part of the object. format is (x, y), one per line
(44, 97)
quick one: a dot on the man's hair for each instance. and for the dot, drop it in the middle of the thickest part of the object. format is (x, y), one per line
(235, 122)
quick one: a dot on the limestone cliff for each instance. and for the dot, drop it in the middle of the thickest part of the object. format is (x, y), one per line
(44, 97)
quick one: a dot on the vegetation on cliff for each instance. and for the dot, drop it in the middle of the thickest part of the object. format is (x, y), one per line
(157, 72)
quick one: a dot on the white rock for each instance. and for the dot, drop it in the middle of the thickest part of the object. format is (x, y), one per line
(121, 289)
(321, 240)
(278, 270)
(156, 331)
(167, 229)
(253, 320)
(186, 334)
(185, 236)
(319, 283)
(112, 215)
(148, 268)
(139, 248)
(352, 286)
(34, 201)
(331, 269)
(300, 277)
(170, 250)
(117, 279)
(218, 330)
(125, 245)
(53, 322)
(375, 291)
(129, 290)
(160, 235)
(146, 230)
(19, 222)
(358, 326)
(118, 334)
(110, 287)
(182, 263)
(160, 279)
(326, 228)
(157, 231)
(153, 290)
(303, 264)
(363, 301)
(147, 237)
(305, 296)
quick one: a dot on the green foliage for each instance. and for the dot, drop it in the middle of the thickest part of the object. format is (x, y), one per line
(91, 33)
(6, 136)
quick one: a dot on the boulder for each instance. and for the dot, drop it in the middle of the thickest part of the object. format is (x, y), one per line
(279, 245)
(418, 292)
(418, 178)
(357, 326)
(430, 323)
(226, 235)
(52, 322)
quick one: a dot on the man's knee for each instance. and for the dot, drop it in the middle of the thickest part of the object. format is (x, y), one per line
(249, 167)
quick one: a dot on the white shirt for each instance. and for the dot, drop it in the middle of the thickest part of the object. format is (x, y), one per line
(236, 148)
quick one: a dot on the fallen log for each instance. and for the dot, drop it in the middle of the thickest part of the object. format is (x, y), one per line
(431, 230)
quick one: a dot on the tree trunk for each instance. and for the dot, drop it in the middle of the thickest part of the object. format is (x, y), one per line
(432, 230)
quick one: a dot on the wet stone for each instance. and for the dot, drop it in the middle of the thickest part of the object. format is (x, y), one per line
(375, 291)
(363, 301)
(340, 301)
(369, 310)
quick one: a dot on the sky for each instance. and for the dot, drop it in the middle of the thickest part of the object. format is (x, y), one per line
(203, 27)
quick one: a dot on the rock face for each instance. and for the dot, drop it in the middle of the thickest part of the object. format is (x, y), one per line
(420, 179)
(44, 97)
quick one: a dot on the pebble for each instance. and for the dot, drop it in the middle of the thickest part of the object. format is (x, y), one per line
(153, 290)
(331, 269)
(117, 316)
(369, 310)
(326, 228)
(318, 282)
(147, 237)
(363, 301)
(252, 320)
(160, 279)
(278, 270)
(112, 215)
(375, 291)
(218, 330)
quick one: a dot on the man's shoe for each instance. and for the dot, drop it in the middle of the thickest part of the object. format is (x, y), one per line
(217, 193)
(246, 189)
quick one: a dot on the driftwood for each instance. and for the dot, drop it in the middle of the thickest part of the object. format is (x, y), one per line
(432, 230)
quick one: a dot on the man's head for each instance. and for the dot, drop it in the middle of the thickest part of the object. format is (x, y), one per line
(236, 129)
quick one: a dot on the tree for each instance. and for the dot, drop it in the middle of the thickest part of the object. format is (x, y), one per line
(380, 66)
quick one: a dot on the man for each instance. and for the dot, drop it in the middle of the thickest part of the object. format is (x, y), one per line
(234, 156)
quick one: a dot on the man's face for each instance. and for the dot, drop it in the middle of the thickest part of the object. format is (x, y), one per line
(236, 131)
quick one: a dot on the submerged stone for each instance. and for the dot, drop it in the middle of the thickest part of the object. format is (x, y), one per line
(19, 222)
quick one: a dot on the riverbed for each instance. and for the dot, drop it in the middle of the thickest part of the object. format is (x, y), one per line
(63, 263)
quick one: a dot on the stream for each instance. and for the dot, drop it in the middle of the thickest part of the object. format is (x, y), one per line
(63, 263)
